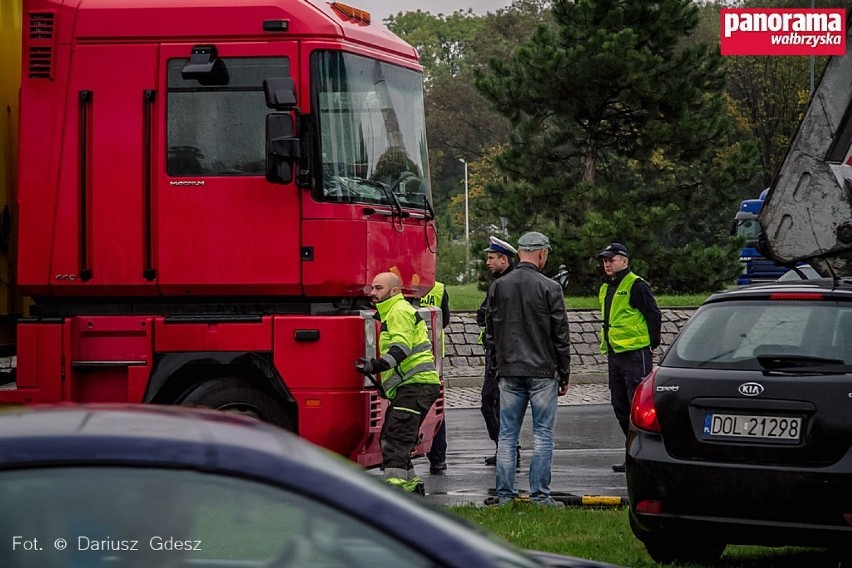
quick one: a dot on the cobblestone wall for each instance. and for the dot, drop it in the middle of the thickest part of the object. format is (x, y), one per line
(464, 355)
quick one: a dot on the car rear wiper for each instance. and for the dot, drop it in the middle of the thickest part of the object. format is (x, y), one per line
(802, 363)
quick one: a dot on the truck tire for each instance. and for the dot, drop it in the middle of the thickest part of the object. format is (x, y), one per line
(232, 394)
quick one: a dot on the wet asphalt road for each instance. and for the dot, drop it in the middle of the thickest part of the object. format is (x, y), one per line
(587, 442)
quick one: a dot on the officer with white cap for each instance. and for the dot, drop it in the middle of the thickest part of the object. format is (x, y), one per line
(499, 262)
(500, 246)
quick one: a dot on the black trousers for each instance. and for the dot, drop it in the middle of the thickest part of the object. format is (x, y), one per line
(438, 452)
(626, 371)
(403, 418)
(491, 402)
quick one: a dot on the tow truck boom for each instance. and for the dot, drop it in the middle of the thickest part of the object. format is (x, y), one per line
(808, 211)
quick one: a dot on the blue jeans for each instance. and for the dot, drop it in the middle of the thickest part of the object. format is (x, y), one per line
(515, 394)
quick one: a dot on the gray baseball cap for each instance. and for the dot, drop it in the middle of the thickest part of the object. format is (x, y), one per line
(533, 241)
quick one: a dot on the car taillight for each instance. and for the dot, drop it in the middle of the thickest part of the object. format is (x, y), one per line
(796, 296)
(650, 507)
(643, 414)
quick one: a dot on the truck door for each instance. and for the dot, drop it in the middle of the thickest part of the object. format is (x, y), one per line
(99, 229)
(220, 227)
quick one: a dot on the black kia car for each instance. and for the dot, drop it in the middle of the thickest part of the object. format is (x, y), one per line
(742, 435)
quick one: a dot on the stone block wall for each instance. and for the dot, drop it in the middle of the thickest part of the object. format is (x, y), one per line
(464, 355)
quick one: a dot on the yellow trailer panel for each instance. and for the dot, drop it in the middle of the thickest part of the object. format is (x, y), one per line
(10, 82)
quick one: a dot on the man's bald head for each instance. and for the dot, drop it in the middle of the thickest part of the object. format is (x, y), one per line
(385, 285)
(389, 279)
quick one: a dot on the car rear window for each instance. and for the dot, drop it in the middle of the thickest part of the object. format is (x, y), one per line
(731, 335)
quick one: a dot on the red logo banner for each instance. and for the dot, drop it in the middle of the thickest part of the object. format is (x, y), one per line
(783, 31)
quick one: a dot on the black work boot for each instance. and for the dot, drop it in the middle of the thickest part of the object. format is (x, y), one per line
(492, 460)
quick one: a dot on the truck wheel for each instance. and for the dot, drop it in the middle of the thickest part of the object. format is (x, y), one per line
(231, 394)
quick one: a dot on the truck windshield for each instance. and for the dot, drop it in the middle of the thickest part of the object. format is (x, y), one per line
(748, 228)
(372, 131)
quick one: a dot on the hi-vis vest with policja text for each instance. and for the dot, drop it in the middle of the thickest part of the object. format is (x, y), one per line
(435, 297)
(628, 330)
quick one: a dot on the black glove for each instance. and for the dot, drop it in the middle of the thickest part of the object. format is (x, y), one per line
(564, 376)
(371, 366)
(364, 366)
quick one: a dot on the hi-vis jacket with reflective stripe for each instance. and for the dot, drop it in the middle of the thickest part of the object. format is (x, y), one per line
(627, 329)
(404, 345)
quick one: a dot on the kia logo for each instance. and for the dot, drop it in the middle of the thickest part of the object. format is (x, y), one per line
(751, 389)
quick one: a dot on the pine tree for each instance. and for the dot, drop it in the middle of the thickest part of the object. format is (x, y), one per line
(616, 123)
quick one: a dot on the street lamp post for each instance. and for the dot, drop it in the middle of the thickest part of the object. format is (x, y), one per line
(466, 226)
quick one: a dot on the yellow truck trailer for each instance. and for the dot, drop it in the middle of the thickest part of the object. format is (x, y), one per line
(10, 80)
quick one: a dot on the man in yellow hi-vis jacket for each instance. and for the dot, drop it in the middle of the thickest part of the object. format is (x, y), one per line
(408, 377)
(630, 331)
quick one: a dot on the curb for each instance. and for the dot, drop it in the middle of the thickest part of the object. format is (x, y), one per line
(591, 501)
(571, 500)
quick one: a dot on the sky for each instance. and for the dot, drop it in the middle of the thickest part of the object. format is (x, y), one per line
(381, 9)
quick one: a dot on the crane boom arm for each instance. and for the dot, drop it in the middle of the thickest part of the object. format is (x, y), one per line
(808, 210)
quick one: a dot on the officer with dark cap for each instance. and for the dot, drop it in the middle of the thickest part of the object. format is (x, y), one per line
(499, 255)
(630, 331)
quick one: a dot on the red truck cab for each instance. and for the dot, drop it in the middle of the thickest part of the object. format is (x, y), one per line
(206, 190)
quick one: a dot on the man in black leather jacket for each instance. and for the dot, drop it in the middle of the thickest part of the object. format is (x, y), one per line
(527, 338)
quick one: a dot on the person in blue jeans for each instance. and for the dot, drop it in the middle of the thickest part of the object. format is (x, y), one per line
(527, 337)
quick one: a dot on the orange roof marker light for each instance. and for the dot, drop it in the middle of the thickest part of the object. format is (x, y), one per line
(354, 13)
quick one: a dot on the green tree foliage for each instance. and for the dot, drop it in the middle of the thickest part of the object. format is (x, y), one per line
(769, 94)
(620, 132)
(504, 29)
(451, 260)
(763, 101)
(610, 77)
(442, 42)
(460, 122)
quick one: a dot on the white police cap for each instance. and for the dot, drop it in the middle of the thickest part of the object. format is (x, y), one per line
(501, 247)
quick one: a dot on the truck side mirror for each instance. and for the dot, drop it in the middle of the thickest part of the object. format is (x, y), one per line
(280, 93)
(282, 148)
